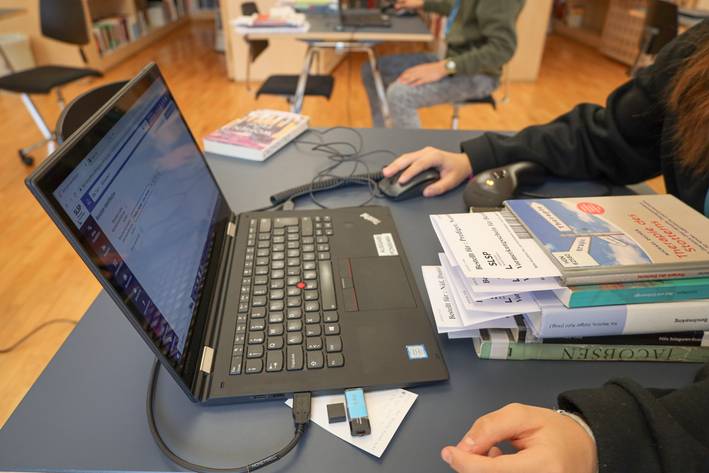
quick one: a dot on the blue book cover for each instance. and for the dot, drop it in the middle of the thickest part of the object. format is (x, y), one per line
(618, 238)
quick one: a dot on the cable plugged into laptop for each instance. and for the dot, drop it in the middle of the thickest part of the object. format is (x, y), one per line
(301, 418)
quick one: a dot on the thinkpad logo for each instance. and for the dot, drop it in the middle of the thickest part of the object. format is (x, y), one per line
(370, 219)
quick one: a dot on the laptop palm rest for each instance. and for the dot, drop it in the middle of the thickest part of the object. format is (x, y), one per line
(380, 283)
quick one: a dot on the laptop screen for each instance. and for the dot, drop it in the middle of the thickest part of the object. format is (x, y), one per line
(145, 206)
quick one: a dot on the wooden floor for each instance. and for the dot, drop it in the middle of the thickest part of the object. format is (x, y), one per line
(41, 278)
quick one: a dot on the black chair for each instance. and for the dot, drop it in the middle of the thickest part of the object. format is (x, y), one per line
(284, 85)
(486, 100)
(63, 21)
(660, 28)
(79, 110)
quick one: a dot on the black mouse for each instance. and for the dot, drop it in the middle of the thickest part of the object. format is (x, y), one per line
(491, 188)
(390, 187)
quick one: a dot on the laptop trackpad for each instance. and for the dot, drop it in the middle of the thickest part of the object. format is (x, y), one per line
(381, 283)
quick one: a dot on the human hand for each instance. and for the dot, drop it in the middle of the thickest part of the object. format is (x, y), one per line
(408, 4)
(454, 168)
(546, 441)
(423, 73)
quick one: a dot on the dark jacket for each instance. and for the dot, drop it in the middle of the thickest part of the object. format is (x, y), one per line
(482, 38)
(647, 430)
(628, 141)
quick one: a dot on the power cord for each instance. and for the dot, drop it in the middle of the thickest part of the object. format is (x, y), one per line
(301, 418)
(34, 331)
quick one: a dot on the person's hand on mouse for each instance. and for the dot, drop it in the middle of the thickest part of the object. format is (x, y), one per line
(454, 168)
(408, 4)
(546, 441)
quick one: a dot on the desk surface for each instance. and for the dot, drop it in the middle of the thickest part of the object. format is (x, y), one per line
(87, 410)
(324, 28)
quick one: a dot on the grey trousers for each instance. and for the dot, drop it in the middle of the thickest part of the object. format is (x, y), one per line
(404, 100)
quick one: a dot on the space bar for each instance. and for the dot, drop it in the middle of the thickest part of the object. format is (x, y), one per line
(327, 286)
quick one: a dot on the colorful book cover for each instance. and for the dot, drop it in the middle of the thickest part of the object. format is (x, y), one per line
(257, 135)
(641, 292)
(618, 238)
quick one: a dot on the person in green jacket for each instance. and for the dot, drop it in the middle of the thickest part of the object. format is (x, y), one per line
(481, 38)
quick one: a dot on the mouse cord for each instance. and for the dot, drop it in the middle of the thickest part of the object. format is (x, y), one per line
(341, 154)
(301, 418)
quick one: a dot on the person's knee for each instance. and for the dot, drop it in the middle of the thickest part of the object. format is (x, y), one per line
(399, 94)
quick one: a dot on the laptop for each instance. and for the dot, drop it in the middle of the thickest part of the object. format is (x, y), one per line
(362, 17)
(236, 307)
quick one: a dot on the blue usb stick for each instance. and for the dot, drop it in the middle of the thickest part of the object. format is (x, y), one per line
(357, 412)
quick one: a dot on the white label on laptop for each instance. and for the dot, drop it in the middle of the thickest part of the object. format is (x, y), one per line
(385, 245)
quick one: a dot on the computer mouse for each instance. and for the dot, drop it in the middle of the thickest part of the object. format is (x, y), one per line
(390, 187)
(491, 188)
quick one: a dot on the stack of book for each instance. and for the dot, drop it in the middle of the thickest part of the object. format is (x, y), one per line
(606, 278)
(283, 19)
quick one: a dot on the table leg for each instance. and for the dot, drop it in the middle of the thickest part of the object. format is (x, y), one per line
(379, 86)
(297, 104)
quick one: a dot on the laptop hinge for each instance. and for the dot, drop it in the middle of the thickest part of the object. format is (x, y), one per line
(207, 358)
(231, 229)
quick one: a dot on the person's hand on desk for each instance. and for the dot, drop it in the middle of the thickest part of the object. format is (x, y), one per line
(546, 442)
(424, 74)
(454, 168)
(408, 4)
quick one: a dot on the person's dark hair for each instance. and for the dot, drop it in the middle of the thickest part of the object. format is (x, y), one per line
(689, 101)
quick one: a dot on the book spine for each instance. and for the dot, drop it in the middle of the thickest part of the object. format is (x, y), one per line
(684, 339)
(573, 352)
(635, 295)
(662, 317)
(610, 277)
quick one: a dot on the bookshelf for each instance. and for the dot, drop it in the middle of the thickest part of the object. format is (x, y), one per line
(120, 28)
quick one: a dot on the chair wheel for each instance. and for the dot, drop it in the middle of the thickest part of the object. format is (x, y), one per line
(26, 159)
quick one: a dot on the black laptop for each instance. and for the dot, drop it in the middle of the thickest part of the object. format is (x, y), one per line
(362, 17)
(243, 306)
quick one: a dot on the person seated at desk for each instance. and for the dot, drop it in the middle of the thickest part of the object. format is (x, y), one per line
(657, 123)
(480, 35)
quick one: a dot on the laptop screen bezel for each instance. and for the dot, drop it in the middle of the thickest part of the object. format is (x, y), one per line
(44, 181)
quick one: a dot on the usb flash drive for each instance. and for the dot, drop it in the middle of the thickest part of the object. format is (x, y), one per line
(357, 412)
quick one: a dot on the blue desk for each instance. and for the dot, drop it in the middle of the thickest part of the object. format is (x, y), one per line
(87, 410)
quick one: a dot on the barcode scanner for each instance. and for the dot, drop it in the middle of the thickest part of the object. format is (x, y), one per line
(489, 189)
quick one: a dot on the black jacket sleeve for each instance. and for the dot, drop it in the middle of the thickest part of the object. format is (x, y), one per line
(647, 430)
(621, 141)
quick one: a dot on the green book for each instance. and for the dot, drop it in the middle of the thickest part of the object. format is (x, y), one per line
(520, 344)
(670, 290)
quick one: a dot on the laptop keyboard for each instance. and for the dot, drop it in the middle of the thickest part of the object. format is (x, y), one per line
(287, 317)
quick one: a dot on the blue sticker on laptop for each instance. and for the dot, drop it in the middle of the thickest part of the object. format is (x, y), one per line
(416, 352)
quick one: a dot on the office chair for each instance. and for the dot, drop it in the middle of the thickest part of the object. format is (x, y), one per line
(64, 21)
(488, 99)
(79, 110)
(284, 85)
(660, 28)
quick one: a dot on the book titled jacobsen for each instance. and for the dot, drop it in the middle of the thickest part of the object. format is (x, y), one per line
(257, 135)
(641, 292)
(555, 320)
(521, 344)
(595, 240)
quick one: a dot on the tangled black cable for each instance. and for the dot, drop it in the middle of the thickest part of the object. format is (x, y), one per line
(340, 153)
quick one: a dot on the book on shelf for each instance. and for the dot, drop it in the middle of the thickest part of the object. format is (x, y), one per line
(555, 320)
(594, 240)
(257, 135)
(112, 32)
(641, 292)
(519, 343)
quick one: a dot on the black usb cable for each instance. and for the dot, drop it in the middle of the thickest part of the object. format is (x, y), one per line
(301, 418)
